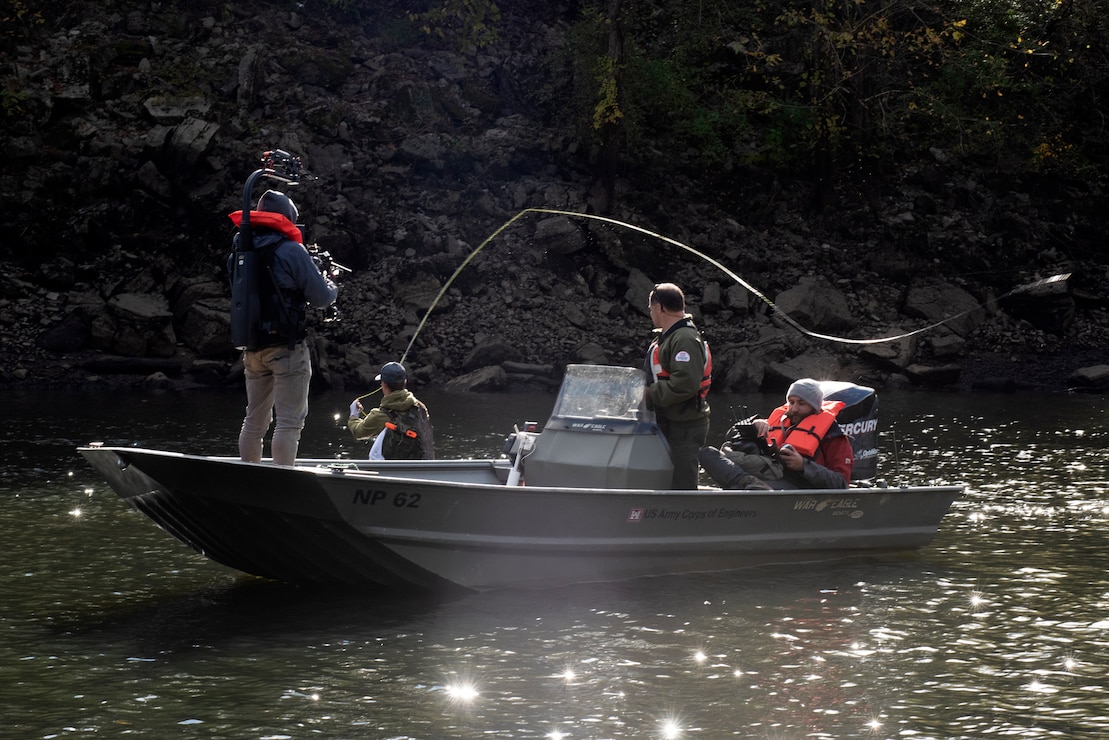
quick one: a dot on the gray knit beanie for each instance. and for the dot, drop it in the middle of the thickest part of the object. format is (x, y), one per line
(276, 202)
(808, 390)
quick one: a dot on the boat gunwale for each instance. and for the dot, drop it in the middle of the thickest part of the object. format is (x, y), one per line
(341, 468)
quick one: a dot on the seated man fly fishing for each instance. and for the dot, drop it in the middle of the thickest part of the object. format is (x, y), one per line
(400, 426)
(799, 445)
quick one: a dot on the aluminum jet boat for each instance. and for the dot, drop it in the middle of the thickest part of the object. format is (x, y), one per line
(584, 499)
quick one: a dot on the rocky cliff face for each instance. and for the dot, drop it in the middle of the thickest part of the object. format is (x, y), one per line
(131, 127)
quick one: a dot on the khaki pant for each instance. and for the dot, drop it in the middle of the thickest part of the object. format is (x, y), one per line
(277, 381)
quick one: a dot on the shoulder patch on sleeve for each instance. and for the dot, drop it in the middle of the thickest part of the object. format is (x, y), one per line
(682, 356)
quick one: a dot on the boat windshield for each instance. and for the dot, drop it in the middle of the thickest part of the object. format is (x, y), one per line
(605, 391)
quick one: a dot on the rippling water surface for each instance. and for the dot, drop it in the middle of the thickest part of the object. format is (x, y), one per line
(999, 628)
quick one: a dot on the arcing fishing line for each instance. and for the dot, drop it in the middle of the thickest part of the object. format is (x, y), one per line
(756, 292)
(450, 280)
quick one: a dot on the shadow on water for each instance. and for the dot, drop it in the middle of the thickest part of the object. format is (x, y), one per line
(227, 612)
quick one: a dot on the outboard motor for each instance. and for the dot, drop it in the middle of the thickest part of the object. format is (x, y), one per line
(600, 434)
(859, 421)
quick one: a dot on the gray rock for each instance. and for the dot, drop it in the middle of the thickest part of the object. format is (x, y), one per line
(154, 181)
(816, 306)
(1092, 378)
(892, 356)
(134, 325)
(933, 376)
(170, 110)
(591, 353)
(639, 290)
(559, 234)
(490, 353)
(188, 142)
(943, 302)
(491, 378)
(205, 327)
(947, 344)
(69, 335)
(1045, 304)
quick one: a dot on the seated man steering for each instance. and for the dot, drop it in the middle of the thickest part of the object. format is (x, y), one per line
(800, 445)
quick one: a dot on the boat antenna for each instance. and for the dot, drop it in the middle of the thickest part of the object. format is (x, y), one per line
(896, 454)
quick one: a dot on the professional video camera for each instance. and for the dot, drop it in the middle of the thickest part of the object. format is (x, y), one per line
(327, 266)
(743, 437)
(331, 269)
(278, 164)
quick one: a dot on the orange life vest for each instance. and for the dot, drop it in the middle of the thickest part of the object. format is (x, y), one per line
(805, 436)
(273, 221)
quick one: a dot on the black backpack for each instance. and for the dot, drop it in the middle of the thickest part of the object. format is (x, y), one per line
(408, 435)
(260, 315)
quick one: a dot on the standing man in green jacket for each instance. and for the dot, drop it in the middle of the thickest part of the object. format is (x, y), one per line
(679, 367)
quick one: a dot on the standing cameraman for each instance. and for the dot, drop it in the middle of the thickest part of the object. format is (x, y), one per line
(276, 360)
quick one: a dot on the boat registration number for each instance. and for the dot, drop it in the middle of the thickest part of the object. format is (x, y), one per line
(373, 497)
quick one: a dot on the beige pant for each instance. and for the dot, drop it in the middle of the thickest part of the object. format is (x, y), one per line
(277, 381)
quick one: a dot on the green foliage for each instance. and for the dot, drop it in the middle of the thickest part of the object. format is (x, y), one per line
(667, 97)
(466, 24)
(670, 103)
(11, 102)
(25, 12)
(829, 84)
(607, 110)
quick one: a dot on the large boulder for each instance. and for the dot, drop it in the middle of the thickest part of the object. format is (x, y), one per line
(816, 305)
(1092, 378)
(135, 325)
(490, 353)
(934, 376)
(492, 378)
(942, 302)
(1045, 304)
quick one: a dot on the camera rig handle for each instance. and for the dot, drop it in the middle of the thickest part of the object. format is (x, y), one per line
(279, 165)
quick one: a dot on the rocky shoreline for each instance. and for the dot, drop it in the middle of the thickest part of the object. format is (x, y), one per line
(123, 169)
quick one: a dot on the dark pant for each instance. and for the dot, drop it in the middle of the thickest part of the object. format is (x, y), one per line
(726, 473)
(686, 438)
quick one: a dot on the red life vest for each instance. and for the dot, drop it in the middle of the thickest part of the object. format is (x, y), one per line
(706, 375)
(273, 221)
(805, 436)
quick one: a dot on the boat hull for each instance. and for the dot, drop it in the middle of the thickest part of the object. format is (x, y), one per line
(444, 524)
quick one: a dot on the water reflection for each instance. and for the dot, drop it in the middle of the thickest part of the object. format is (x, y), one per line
(108, 626)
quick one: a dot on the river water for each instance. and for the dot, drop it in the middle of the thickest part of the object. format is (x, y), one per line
(999, 628)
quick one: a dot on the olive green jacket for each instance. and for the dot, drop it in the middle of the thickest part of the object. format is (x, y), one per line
(681, 354)
(370, 425)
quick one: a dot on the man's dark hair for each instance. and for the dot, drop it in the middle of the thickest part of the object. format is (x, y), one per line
(669, 296)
